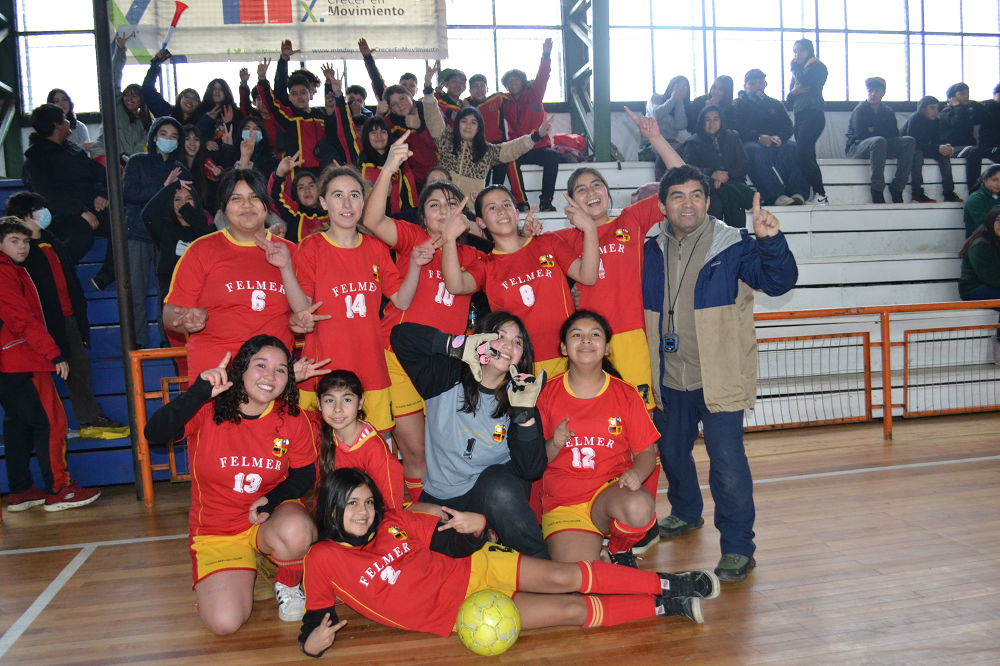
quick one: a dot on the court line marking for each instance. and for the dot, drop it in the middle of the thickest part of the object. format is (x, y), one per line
(95, 544)
(36, 608)
(862, 470)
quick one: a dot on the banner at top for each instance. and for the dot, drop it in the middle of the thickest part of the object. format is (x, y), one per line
(247, 30)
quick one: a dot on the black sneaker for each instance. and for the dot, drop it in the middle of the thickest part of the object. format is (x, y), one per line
(734, 568)
(624, 558)
(672, 526)
(101, 421)
(651, 539)
(701, 583)
(878, 197)
(951, 197)
(920, 197)
(685, 606)
(545, 206)
(100, 282)
(897, 197)
(523, 207)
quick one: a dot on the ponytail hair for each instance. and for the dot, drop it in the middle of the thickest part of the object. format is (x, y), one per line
(338, 380)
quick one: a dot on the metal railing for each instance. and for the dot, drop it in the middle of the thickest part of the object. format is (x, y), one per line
(835, 371)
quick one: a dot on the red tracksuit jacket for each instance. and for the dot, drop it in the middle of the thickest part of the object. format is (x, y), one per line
(25, 345)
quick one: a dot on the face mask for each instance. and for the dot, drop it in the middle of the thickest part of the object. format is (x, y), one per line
(44, 218)
(166, 146)
(246, 135)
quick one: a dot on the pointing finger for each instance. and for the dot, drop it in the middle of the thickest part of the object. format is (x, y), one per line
(756, 204)
(314, 307)
(402, 139)
(225, 361)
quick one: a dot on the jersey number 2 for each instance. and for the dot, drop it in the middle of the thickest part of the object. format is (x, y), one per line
(251, 485)
(583, 458)
(358, 306)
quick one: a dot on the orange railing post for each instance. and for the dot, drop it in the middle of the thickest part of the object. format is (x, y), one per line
(886, 375)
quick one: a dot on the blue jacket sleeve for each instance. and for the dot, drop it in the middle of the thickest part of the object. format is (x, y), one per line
(156, 104)
(768, 265)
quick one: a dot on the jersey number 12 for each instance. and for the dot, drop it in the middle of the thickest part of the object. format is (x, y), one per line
(583, 458)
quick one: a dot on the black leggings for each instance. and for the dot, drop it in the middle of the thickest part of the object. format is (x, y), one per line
(809, 124)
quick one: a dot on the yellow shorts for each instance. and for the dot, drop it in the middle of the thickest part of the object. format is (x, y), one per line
(630, 354)
(405, 399)
(553, 366)
(494, 567)
(378, 407)
(211, 554)
(574, 517)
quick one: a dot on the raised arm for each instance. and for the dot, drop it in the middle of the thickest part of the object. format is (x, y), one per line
(650, 131)
(154, 101)
(375, 219)
(584, 270)
(378, 83)
(456, 280)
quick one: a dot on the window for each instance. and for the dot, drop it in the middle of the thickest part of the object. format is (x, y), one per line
(485, 36)
(919, 47)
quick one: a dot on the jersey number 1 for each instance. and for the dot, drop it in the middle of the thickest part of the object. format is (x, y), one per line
(583, 458)
(251, 485)
(358, 306)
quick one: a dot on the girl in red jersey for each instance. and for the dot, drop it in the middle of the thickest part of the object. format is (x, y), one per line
(433, 305)
(525, 276)
(599, 442)
(340, 278)
(250, 452)
(413, 571)
(347, 441)
(224, 289)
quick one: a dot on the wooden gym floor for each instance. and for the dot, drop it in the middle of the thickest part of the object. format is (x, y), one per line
(868, 553)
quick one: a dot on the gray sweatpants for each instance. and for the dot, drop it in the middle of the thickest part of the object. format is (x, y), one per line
(877, 149)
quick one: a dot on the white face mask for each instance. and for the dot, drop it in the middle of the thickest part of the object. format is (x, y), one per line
(44, 218)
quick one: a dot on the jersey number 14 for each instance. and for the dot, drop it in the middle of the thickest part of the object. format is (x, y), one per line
(356, 307)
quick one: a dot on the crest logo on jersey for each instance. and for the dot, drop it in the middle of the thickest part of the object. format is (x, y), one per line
(615, 425)
(397, 532)
(499, 432)
(623, 235)
(280, 447)
(546, 261)
(375, 273)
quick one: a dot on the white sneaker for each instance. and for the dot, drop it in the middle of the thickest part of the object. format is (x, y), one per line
(784, 201)
(818, 200)
(291, 602)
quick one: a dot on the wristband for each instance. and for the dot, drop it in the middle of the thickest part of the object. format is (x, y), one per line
(428, 90)
(536, 137)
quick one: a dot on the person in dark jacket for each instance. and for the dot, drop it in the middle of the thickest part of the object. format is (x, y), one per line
(720, 94)
(145, 175)
(766, 132)
(805, 99)
(74, 185)
(980, 278)
(186, 104)
(63, 304)
(989, 129)
(959, 118)
(719, 154)
(873, 134)
(925, 128)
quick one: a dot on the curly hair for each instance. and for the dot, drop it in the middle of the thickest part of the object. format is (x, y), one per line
(227, 404)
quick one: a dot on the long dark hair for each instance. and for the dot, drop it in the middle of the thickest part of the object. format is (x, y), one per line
(227, 404)
(196, 164)
(369, 154)
(251, 177)
(479, 144)
(719, 136)
(142, 113)
(178, 113)
(606, 363)
(674, 82)
(985, 230)
(726, 82)
(446, 186)
(492, 323)
(207, 103)
(265, 142)
(70, 116)
(338, 380)
(480, 200)
(331, 500)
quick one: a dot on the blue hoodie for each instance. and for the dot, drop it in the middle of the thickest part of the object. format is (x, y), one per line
(145, 175)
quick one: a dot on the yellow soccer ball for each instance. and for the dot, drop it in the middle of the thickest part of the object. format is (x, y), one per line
(488, 622)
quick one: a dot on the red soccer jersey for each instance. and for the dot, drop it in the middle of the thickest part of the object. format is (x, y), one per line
(433, 305)
(608, 430)
(243, 294)
(370, 454)
(350, 282)
(617, 296)
(531, 283)
(395, 579)
(232, 466)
